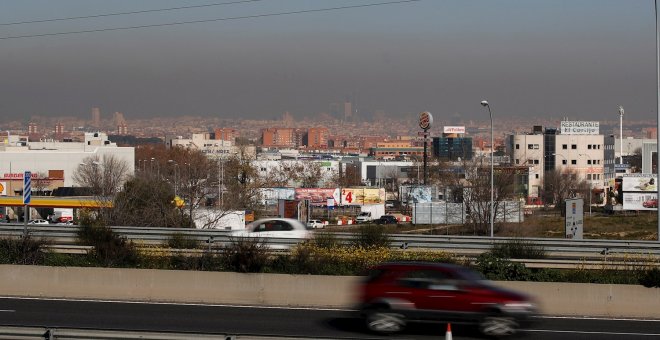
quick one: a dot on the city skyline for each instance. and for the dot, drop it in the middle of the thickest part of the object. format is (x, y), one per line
(546, 59)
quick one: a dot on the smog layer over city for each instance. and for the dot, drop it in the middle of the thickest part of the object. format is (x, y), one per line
(329, 169)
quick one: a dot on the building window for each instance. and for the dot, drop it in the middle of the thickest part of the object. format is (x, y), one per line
(589, 146)
(536, 146)
(588, 176)
(564, 146)
(530, 146)
(517, 161)
(574, 146)
(517, 146)
(563, 161)
(573, 161)
(537, 176)
(589, 160)
(598, 146)
(536, 161)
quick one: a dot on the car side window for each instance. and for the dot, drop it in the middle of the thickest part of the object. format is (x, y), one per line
(427, 279)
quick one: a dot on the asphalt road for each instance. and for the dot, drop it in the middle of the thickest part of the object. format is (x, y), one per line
(305, 323)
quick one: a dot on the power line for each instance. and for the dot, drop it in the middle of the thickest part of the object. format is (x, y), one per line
(210, 20)
(126, 13)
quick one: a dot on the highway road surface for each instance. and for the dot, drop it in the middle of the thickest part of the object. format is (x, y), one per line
(275, 321)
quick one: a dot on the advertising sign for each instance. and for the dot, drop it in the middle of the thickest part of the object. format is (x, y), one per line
(3, 188)
(640, 201)
(579, 127)
(416, 194)
(574, 218)
(640, 182)
(425, 120)
(317, 196)
(270, 196)
(360, 196)
(454, 129)
(288, 209)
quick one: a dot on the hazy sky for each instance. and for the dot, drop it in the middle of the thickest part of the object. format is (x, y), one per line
(546, 58)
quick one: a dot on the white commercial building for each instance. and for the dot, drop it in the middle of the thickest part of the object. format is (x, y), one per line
(213, 148)
(44, 157)
(529, 151)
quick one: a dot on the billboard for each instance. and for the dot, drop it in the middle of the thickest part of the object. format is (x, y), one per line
(574, 219)
(360, 196)
(317, 196)
(640, 182)
(271, 196)
(454, 129)
(579, 127)
(640, 201)
(416, 194)
(3, 188)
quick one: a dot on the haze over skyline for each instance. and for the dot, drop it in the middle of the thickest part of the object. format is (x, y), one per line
(579, 59)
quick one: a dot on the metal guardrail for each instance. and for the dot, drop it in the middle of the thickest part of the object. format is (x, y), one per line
(465, 245)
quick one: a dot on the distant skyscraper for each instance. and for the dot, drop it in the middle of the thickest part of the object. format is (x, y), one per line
(287, 119)
(96, 117)
(118, 119)
(348, 110)
(59, 128)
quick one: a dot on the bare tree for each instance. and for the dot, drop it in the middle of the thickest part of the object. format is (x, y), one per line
(243, 184)
(103, 176)
(562, 184)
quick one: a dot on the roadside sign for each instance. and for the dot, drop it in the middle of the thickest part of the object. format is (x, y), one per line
(27, 187)
(574, 218)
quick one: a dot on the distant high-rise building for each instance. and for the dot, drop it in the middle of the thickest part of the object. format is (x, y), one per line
(278, 137)
(227, 134)
(118, 119)
(122, 129)
(287, 119)
(96, 117)
(32, 128)
(59, 128)
(348, 110)
(317, 137)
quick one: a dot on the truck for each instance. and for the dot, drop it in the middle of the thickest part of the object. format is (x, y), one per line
(61, 215)
(370, 212)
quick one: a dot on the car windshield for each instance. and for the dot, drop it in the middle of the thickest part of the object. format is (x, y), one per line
(470, 275)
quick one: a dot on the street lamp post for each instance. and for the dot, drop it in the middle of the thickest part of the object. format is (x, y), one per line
(492, 211)
(590, 180)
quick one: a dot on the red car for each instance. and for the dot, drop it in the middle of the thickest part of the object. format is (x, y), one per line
(396, 293)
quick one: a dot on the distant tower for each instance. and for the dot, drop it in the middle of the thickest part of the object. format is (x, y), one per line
(118, 119)
(287, 119)
(348, 110)
(96, 117)
(32, 129)
(59, 128)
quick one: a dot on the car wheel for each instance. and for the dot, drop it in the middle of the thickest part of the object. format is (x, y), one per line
(385, 322)
(498, 326)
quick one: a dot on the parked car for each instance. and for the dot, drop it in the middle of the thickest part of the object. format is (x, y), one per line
(652, 203)
(314, 224)
(38, 221)
(394, 294)
(279, 228)
(387, 219)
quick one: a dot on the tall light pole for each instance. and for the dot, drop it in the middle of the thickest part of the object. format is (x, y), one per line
(657, 90)
(492, 210)
(621, 112)
(590, 180)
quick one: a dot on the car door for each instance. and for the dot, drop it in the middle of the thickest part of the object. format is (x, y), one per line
(432, 291)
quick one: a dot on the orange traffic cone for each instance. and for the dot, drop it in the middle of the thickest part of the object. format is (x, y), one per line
(448, 334)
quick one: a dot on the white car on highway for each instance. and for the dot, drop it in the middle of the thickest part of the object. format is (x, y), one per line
(278, 228)
(314, 224)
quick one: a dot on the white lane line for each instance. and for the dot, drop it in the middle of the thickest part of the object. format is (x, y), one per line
(7, 311)
(594, 318)
(587, 332)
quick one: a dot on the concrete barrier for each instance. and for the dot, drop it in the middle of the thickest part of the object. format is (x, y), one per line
(291, 290)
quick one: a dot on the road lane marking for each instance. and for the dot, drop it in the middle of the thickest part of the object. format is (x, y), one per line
(593, 318)
(588, 332)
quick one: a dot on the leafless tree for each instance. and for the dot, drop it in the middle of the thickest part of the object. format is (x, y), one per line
(103, 176)
(562, 184)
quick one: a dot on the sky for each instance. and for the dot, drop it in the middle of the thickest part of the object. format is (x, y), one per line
(529, 58)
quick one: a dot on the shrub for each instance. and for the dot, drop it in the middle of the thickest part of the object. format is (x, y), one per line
(495, 268)
(326, 240)
(182, 241)
(24, 250)
(371, 236)
(518, 249)
(245, 255)
(650, 278)
(110, 249)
